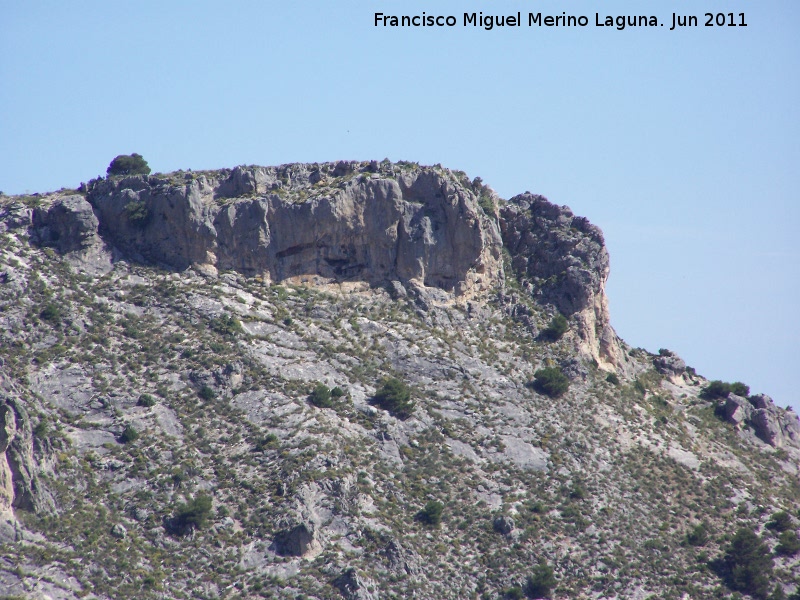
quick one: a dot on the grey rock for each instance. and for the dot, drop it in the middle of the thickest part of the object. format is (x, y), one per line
(504, 525)
(300, 540)
(15, 216)
(766, 426)
(736, 409)
(564, 255)
(574, 369)
(140, 513)
(401, 560)
(761, 401)
(397, 290)
(669, 363)
(422, 227)
(69, 224)
(119, 531)
(354, 586)
(563, 260)
(20, 484)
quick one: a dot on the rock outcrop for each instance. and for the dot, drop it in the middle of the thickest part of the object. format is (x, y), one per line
(301, 540)
(773, 425)
(564, 262)
(669, 363)
(69, 224)
(20, 484)
(353, 586)
(303, 222)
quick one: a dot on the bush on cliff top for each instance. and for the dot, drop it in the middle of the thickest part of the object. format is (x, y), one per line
(128, 164)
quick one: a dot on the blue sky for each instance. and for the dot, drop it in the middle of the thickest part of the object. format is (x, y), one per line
(684, 146)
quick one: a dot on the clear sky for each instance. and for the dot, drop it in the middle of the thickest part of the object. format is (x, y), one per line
(684, 146)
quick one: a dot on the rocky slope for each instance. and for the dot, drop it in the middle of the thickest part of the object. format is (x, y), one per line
(167, 427)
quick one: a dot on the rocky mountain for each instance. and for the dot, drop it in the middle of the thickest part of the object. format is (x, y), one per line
(359, 380)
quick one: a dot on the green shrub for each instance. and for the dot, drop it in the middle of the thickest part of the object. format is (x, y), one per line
(716, 389)
(268, 441)
(137, 213)
(191, 515)
(780, 521)
(746, 565)
(558, 327)
(486, 203)
(578, 492)
(128, 164)
(698, 536)
(321, 396)
(207, 393)
(719, 389)
(541, 582)
(146, 400)
(612, 378)
(51, 312)
(432, 513)
(550, 381)
(788, 543)
(395, 396)
(740, 389)
(513, 593)
(227, 325)
(129, 434)
(337, 392)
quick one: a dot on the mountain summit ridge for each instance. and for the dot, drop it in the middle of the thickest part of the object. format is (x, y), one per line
(428, 227)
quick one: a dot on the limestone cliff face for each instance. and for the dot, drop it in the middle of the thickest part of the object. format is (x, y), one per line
(20, 485)
(331, 223)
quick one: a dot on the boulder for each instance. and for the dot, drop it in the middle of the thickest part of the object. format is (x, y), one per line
(504, 525)
(401, 561)
(354, 586)
(69, 224)
(766, 426)
(761, 401)
(669, 363)
(119, 531)
(15, 216)
(735, 409)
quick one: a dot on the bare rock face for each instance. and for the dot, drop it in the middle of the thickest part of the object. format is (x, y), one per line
(20, 486)
(401, 226)
(355, 587)
(14, 216)
(736, 409)
(301, 541)
(773, 425)
(777, 427)
(69, 224)
(419, 226)
(565, 261)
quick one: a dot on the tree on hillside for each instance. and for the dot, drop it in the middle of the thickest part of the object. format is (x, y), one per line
(746, 565)
(128, 164)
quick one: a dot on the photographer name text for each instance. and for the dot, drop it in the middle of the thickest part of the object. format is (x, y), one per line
(491, 22)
